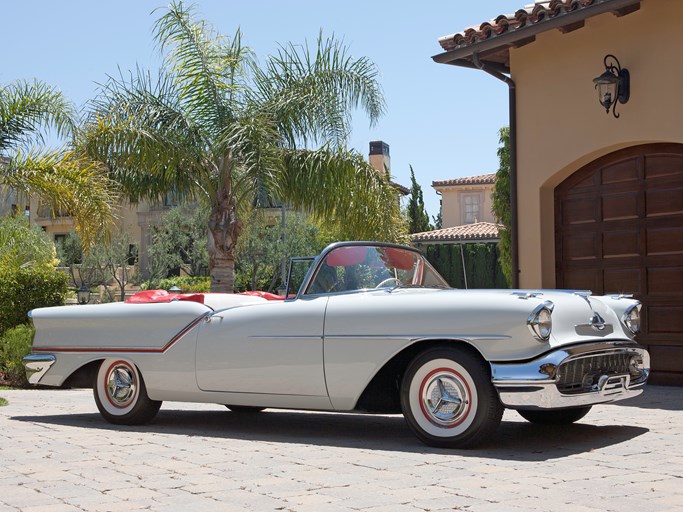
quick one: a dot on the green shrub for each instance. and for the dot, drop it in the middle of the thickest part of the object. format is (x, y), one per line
(15, 343)
(186, 283)
(27, 288)
(481, 260)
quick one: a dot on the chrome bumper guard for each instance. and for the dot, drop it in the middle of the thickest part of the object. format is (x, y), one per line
(574, 376)
(37, 365)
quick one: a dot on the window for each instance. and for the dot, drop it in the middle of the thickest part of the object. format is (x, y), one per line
(471, 208)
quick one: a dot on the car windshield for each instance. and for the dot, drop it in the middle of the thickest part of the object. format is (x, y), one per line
(361, 267)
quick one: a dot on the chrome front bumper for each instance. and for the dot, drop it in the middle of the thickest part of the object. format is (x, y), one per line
(37, 365)
(574, 376)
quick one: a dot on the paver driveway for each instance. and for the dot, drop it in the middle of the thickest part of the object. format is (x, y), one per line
(57, 454)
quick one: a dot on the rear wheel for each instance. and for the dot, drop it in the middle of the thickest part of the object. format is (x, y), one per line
(121, 395)
(555, 417)
(448, 400)
(244, 408)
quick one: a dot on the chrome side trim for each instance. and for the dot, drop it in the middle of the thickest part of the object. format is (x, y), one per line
(420, 337)
(36, 366)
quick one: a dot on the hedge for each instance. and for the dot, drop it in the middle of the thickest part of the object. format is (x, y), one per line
(27, 288)
(481, 264)
(15, 343)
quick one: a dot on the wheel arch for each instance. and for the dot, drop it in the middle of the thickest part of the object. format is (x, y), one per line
(84, 376)
(382, 394)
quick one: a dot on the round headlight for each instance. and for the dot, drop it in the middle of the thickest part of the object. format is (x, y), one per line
(540, 321)
(631, 318)
(545, 323)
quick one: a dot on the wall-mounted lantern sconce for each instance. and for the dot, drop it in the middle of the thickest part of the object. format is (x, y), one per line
(83, 294)
(613, 85)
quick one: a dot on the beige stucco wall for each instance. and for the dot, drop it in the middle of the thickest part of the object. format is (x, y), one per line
(561, 126)
(451, 203)
(126, 221)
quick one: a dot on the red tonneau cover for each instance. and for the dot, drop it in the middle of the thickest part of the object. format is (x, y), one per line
(156, 296)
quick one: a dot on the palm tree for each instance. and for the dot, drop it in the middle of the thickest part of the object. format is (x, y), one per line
(215, 126)
(63, 178)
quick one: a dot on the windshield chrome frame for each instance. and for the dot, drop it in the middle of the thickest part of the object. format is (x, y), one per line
(315, 266)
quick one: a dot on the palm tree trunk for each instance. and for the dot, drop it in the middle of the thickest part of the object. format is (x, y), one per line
(224, 229)
(222, 271)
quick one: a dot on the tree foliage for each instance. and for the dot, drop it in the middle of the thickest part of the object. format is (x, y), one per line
(215, 126)
(27, 109)
(23, 246)
(65, 180)
(179, 240)
(28, 278)
(502, 203)
(108, 261)
(260, 249)
(418, 219)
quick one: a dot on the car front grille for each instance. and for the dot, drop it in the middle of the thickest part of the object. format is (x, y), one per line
(582, 374)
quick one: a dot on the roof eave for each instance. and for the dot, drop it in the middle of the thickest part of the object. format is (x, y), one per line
(456, 241)
(518, 37)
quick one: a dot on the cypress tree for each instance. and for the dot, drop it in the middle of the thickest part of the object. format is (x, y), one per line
(418, 220)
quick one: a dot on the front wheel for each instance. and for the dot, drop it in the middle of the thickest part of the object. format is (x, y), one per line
(448, 400)
(555, 417)
(121, 395)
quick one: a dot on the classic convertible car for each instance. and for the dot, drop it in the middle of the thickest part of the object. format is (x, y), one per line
(373, 328)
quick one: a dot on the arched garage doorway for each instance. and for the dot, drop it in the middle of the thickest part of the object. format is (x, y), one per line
(619, 228)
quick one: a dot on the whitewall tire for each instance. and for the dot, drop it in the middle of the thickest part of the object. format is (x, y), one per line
(448, 400)
(121, 395)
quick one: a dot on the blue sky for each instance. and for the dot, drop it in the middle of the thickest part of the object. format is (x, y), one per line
(442, 120)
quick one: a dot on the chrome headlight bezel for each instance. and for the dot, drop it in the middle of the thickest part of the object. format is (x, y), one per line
(540, 321)
(631, 318)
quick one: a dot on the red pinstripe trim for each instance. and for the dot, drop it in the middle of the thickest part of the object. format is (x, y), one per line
(161, 350)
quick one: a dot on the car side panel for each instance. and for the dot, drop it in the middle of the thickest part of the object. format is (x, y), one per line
(365, 330)
(273, 348)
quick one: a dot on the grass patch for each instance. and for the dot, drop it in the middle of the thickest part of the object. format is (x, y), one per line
(3, 401)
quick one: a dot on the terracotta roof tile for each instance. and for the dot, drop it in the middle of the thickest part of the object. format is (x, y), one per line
(565, 15)
(480, 231)
(483, 179)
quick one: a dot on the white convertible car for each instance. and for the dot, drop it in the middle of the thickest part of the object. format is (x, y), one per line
(373, 328)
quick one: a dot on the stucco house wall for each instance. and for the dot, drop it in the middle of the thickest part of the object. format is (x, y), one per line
(452, 198)
(564, 128)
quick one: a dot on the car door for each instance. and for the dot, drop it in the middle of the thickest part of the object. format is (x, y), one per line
(273, 347)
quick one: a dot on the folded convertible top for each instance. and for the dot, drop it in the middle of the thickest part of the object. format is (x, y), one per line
(157, 296)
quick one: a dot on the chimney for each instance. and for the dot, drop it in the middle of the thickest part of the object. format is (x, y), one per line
(379, 157)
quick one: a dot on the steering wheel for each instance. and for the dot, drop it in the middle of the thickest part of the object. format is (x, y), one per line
(387, 281)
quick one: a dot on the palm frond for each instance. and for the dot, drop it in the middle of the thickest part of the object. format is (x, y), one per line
(253, 145)
(208, 68)
(68, 182)
(139, 129)
(344, 191)
(29, 107)
(315, 92)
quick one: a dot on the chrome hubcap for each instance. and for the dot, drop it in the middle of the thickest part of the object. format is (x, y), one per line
(121, 385)
(445, 399)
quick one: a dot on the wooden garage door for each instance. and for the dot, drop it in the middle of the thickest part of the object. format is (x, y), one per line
(619, 229)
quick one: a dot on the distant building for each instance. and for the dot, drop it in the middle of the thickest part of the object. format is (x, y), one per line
(466, 212)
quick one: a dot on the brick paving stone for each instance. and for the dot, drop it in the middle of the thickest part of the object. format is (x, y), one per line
(58, 454)
(57, 507)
